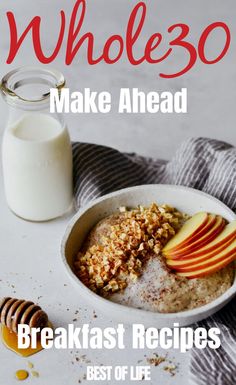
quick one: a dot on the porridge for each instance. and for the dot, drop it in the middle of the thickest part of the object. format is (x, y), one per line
(121, 260)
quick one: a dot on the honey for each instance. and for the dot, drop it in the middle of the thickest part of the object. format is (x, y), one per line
(21, 375)
(10, 340)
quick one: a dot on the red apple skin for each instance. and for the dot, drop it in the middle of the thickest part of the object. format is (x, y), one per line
(210, 222)
(206, 263)
(203, 224)
(197, 245)
(198, 257)
(216, 248)
(210, 270)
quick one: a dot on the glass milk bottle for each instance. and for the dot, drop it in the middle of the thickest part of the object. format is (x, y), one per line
(36, 149)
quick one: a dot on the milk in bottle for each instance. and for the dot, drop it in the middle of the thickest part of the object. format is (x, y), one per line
(36, 150)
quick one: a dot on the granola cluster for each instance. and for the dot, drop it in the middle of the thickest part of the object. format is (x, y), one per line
(106, 267)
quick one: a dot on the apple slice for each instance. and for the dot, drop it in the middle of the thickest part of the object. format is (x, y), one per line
(189, 229)
(208, 270)
(211, 220)
(223, 240)
(188, 262)
(211, 259)
(204, 240)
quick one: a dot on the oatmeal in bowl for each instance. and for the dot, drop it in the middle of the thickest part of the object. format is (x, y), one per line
(121, 260)
(159, 254)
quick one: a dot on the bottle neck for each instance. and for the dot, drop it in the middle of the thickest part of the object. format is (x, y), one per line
(27, 90)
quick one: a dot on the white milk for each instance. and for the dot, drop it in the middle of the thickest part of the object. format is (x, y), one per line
(37, 167)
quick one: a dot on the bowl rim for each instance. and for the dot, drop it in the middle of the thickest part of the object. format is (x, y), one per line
(200, 311)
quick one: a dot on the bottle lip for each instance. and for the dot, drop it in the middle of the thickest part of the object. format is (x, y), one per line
(27, 75)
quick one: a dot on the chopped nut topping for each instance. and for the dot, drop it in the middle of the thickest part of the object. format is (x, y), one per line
(171, 369)
(140, 232)
(156, 361)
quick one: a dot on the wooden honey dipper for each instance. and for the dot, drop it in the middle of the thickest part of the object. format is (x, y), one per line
(18, 311)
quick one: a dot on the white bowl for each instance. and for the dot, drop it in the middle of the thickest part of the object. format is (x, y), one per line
(185, 199)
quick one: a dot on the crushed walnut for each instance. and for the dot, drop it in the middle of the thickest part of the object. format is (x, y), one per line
(157, 360)
(171, 369)
(140, 232)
